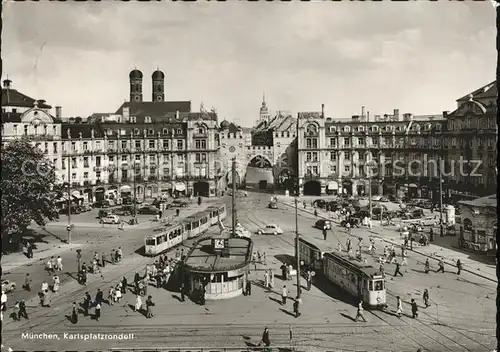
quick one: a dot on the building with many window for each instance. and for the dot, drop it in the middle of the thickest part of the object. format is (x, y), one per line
(470, 143)
(392, 154)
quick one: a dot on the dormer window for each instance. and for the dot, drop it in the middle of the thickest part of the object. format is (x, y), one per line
(201, 130)
(347, 129)
(333, 129)
(179, 131)
(374, 128)
(165, 131)
(438, 127)
(133, 119)
(151, 132)
(361, 128)
(147, 119)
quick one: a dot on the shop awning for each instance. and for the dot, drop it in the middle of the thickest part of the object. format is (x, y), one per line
(180, 187)
(332, 185)
(125, 189)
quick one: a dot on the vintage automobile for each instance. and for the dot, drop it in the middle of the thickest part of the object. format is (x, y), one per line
(270, 229)
(323, 224)
(149, 209)
(110, 219)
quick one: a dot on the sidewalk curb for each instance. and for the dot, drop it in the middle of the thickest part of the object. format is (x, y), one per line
(445, 261)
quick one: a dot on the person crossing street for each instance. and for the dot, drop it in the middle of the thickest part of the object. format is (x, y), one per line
(398, 269)
(360, 312)
(426, 298)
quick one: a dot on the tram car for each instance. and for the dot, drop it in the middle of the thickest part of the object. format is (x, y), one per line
(190, 227)
(311, 253)
(217, 212)
(358, 279)
(170, 237)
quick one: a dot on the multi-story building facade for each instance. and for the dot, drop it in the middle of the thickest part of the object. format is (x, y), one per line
(471, 139)
(391, 154)
(150, 148)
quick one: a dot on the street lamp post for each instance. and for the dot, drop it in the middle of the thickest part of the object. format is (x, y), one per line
(441, 230)
(370, 193)
(69, 200)
(297, 251)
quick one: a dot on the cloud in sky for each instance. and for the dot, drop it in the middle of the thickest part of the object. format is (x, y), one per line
(417, 56)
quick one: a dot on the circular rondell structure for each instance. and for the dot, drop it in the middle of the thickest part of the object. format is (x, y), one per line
(217, 267)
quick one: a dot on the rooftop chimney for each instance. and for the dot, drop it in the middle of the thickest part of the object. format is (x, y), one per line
(367, 116)
(362, 111)
(7, 83)
(323, 110)
(445, 113)
(396, 114)
(177, 115)
(58, 112)
(126, 113)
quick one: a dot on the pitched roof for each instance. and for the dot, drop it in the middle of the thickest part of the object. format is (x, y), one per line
(12, 97)
(83, 128)
(487, 91)
(148, 108)
(489, 201)
(17, 117)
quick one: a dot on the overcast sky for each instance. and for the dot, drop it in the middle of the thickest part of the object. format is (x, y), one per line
(417, 56)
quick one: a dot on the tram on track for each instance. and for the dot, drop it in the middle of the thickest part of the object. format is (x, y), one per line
(356, 278)
(190, 227)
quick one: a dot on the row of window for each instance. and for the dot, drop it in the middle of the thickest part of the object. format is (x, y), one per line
(389, 128)
(37, 130)
(198, 158)
(197, 172)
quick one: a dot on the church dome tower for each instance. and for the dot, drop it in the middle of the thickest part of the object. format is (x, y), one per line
(158, 90)
(135, 78)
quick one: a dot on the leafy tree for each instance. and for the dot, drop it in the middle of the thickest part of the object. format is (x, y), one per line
(27, 190)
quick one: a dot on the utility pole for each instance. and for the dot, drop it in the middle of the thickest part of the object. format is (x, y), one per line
(370, 192)
(69, 199)
(297, 251)
(441, 230)
(233, 197)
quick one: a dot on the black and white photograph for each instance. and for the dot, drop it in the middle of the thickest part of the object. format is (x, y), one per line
(242, 176)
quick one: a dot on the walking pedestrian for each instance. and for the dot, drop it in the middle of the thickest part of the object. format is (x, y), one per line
(404, 254)
(45, 286)
(381, 269)
(87, 301)
(414, 309)
(265, 335)
(30, 250)
(50, 265)
(118, 294)
(398, 271)
(111, 296)
(427, 266)
(97, 313)
(266, 279)
(46, 299)
(426, 298)
(74, 313)
(27, 282)
(309, 280)
(360, 312)
(248, 288)
(124, 285)
(104, 259)
(56, 284)
(271, 279)
(149, 307)
(399, 307)
(183, 291)
(459, 268)
(22, 310)
(441, 266)
(325, 233)
(283, 268)
(138, 303)
(284, 295)
(290, 270)
(98, 296)
(296, 306)
(264, 258)
(59, 264)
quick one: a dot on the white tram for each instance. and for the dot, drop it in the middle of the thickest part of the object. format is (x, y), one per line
(192, 226)
(358, 279)
(217, 212)
(170, 236)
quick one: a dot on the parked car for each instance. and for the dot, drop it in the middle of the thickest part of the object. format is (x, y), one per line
(353, 221)
(167, 203)
(417, 214)
(376, 198)
(110, 219)
(273, 205)
(86, 207)
(383, 199)
(8, 286)
(323, 224)
(429, 221)
(102, 203)
(149, 209)
(271, 229)
(103, 213)
(125, 210)
(179, 203)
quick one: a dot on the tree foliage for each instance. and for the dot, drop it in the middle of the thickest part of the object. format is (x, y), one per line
(27, 188)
